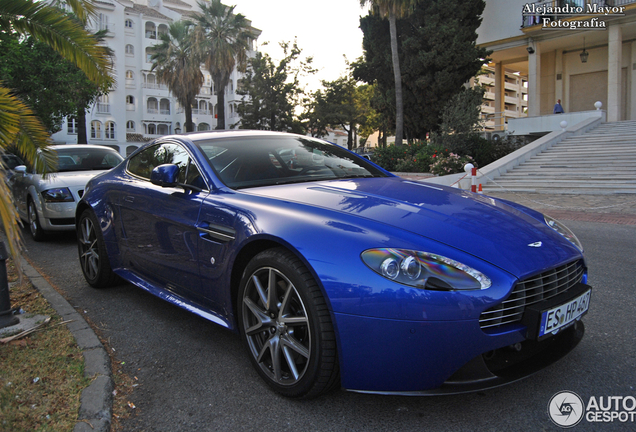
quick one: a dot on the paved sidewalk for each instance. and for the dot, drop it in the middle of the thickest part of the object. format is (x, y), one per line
(95, 411)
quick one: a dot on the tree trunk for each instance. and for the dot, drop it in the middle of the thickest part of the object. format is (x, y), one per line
(81, 127)
(397, 75)
(220, 97)
(189, 126)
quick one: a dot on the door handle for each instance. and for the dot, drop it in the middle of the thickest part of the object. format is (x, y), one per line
(129, 199)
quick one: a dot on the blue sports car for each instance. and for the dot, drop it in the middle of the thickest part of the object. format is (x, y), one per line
(334, 271)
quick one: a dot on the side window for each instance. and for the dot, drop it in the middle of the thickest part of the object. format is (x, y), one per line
(144, 162)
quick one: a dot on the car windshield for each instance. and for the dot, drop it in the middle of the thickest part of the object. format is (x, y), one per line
(86, 159)
(253, 161)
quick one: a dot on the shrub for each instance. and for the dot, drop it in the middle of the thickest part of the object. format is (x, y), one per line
(451, 164)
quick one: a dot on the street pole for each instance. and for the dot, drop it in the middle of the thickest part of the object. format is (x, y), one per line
(7, 318)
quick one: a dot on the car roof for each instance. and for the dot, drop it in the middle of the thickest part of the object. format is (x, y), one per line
(79, 146)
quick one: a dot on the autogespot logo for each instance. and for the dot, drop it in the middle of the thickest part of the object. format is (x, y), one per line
(566, 409)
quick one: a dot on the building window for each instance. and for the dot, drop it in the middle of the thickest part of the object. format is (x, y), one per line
(130, 100)
(152, 106)
(152, 129)
(128, 23)
(203, 127)
(72, 125)
(130, 126)
(130, 50)
(151, 30)
(130, 75)
(162, 129)
(96, 129)
(103, 107)
(149, 55)
(164, 107)
(110, 130)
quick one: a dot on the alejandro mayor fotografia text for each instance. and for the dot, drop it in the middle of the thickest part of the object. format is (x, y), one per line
(560, 17)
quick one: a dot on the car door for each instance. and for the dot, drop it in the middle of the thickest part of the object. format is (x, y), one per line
(159, 223)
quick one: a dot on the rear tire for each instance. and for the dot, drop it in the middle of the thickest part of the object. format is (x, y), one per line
(92, 252)
(286, 326)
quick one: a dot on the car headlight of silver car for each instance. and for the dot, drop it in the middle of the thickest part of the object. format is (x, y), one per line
(424, 270)
(563, 230)
(57, 195)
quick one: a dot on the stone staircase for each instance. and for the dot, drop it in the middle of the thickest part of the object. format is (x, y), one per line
(602, 161)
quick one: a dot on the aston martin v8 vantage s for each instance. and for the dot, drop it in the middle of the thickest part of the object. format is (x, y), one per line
(334, 271)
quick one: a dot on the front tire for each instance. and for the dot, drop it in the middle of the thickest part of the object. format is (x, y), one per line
(37, 232)
(92, 252)
(285, 323)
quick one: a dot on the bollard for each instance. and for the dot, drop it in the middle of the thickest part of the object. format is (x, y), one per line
(6, 314)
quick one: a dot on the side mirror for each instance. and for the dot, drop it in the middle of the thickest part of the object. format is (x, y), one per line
(22, 169)
(165, 175)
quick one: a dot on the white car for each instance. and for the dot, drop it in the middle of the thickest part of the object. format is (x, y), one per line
(47, 203)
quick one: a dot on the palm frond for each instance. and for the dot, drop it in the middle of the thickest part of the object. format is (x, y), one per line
(64, 34)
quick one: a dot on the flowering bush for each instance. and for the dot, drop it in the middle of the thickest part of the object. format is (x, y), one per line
(451, 164)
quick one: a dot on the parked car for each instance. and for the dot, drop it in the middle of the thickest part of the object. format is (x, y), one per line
(47, 203)
(334, 271)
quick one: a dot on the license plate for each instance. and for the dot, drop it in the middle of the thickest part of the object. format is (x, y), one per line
(561, 316)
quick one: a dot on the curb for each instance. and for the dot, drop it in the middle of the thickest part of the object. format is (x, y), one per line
(96, 401)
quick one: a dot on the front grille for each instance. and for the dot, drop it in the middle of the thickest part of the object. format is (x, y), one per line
(530, 291)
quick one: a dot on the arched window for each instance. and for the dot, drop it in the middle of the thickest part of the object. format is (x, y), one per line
(130, 50)
(110, 130)
(151, 30)
(130, 75)
(130, 100)
(152, 129)
(129, 24)
(164, 107)
(203, 127)
(162, 29)
(149, 54)
(162, 129)
(152, 107)
(130, 126)
(130, 149)
(96, 129)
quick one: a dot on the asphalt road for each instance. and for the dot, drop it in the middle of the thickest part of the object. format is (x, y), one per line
(196, 376)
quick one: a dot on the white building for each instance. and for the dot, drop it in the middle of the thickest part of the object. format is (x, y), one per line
(578, 51)
(515, 97)
(139, 108)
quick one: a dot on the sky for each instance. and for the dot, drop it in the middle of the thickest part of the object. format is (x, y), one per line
(325, 30)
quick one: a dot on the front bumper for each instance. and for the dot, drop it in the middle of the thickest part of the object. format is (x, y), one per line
(428, 358)
(58, 216)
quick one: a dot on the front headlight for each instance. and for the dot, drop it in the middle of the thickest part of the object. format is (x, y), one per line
(563, 230)
(424, 270)
(57, 195)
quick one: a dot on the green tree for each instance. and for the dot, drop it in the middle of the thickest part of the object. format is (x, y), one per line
(178, 65)
(53, 87)
(394, 9)
(274, 91)
(438, 54)
(19, 127)
(224, 38)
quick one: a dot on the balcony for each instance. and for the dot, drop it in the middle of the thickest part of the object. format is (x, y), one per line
(103, 108)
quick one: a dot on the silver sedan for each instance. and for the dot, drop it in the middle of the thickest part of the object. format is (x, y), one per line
(47, 203)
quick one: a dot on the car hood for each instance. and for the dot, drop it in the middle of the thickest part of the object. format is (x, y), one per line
(72, 179)
(479, 225)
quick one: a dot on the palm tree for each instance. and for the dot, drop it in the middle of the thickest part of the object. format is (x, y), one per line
(19, 127)
(394, 9)
(178, 65)
(224, 40)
